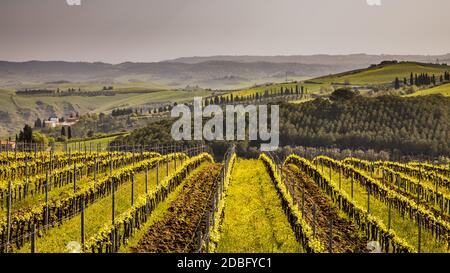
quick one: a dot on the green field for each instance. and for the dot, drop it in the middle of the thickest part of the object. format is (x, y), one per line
(382, 74)
(123, 86)
(442, 89)
(15, 110)
(254, 220)
(100, 143)
(378, 75)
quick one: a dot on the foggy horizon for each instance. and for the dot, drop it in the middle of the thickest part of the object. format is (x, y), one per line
(208, 56)
(114, 31)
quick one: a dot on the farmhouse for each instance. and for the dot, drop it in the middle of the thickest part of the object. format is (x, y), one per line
(51, 123)
(7, 145)
(56, 122)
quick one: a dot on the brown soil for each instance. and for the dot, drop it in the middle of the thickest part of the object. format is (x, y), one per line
(346, 235)
(174, 233)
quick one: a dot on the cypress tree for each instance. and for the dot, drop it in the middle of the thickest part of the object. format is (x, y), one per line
(397, 83)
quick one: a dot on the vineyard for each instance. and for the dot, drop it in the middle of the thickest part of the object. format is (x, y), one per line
(182, 200)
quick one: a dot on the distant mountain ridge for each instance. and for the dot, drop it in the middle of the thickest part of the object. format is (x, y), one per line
(217, 72)
(205, 74)
(323, 59)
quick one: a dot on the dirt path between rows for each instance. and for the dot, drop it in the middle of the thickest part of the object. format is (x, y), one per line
(174, 233)
(346, 235)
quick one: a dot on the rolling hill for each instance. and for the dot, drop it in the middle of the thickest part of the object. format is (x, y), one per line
(16, 110)
(442, 89)
(168, 75)
(351, 60)
(374, 75)
(383, 73)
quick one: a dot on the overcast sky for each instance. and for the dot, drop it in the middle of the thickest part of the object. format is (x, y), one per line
(153, 30)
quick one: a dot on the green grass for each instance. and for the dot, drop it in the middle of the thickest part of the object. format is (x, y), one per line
(56, 239)
(102, 143)
(124, 85)
(99, 104)
(276, 87)
(300, 101)
(384, 74)
(26, 109)
(254, 219)
(261, 89)
(403, 226)
(442, 89)
(370, 76)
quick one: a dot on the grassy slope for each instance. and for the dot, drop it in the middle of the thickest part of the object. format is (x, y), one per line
(309, 88)
(442, 89)
(383, 74)
(262, 89)
(100, 143)
(118, 87)
(108, 103)
(25, 109)
(370, 76)
(97, 215)
(254, 220)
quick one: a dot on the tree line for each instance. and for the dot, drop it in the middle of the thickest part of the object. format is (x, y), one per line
(300, 91)
(403, 126)
(422, 79)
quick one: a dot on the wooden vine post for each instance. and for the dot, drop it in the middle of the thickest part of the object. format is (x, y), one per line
(33, 239)
(419, 235)
(175, 161)
(329, 170)
(95, 170)
(110, 166)
(167, 165)
(74, 177)
(352, 184)
(132, 190)
(437, 190)
(303, 202)
(8, 224)
(389, 214)
(46, 200)
(113, 213)
(157, 173)
(146, 180)
(83, 237)
(330, 242)
(26, 178)
(314, 220)
(418, 192)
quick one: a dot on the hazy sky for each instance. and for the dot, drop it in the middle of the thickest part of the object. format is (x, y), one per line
(153, 30)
